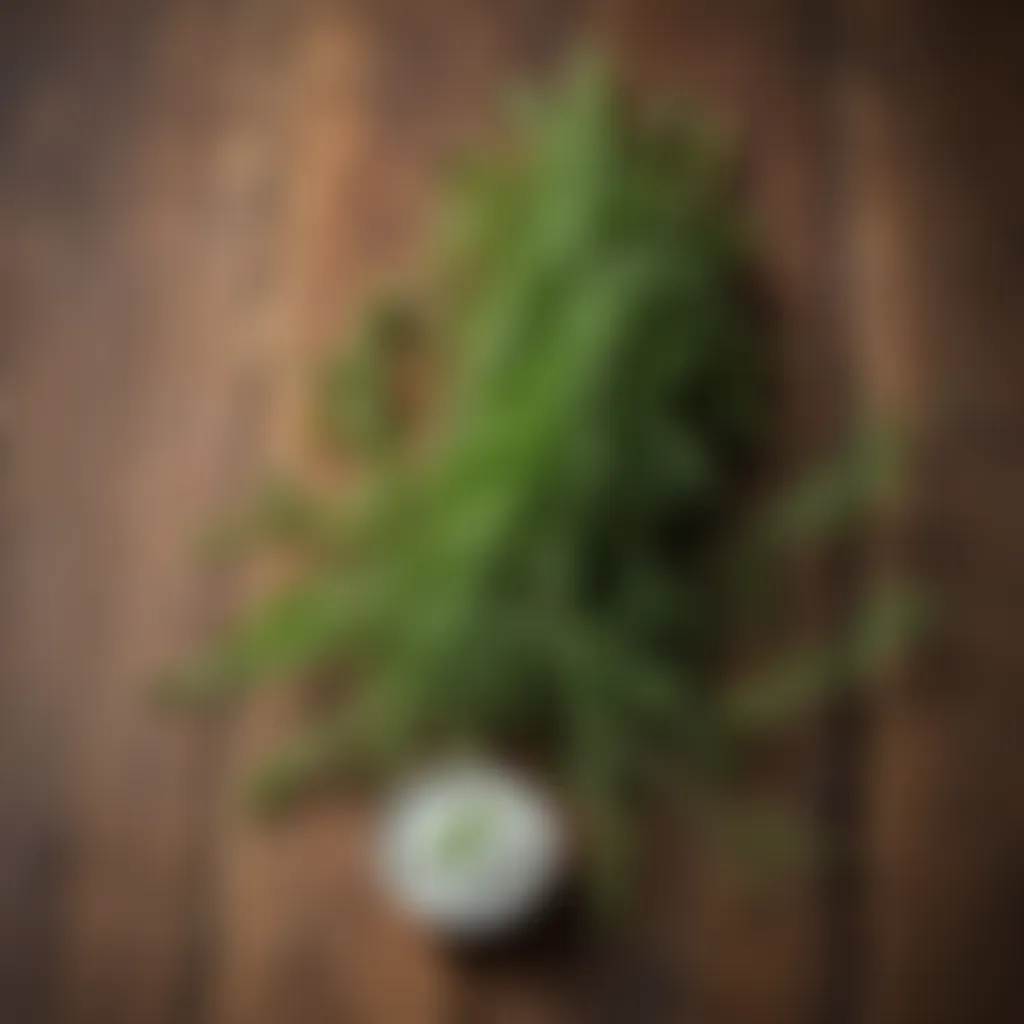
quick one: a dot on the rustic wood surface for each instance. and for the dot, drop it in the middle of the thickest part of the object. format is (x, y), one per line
(193, 194)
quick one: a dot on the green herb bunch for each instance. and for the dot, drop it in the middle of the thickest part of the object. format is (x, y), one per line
(541, 566)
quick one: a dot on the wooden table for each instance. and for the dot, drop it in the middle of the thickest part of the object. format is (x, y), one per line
(192, 195)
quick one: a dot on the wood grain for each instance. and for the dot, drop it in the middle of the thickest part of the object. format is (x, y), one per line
(936, 171)
(193, 197)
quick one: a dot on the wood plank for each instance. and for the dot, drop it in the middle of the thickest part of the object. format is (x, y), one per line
(133, 238)
(933, 94)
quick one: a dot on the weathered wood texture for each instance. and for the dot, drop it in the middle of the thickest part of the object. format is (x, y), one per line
(192, 196)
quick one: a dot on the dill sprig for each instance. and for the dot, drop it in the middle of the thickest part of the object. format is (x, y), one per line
(545, 571)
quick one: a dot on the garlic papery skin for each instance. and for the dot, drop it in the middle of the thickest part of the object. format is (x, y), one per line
(471, 849)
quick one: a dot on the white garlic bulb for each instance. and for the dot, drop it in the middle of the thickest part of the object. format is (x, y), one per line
(473, 850)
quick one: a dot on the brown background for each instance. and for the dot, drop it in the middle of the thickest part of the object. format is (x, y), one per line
(192, 193)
